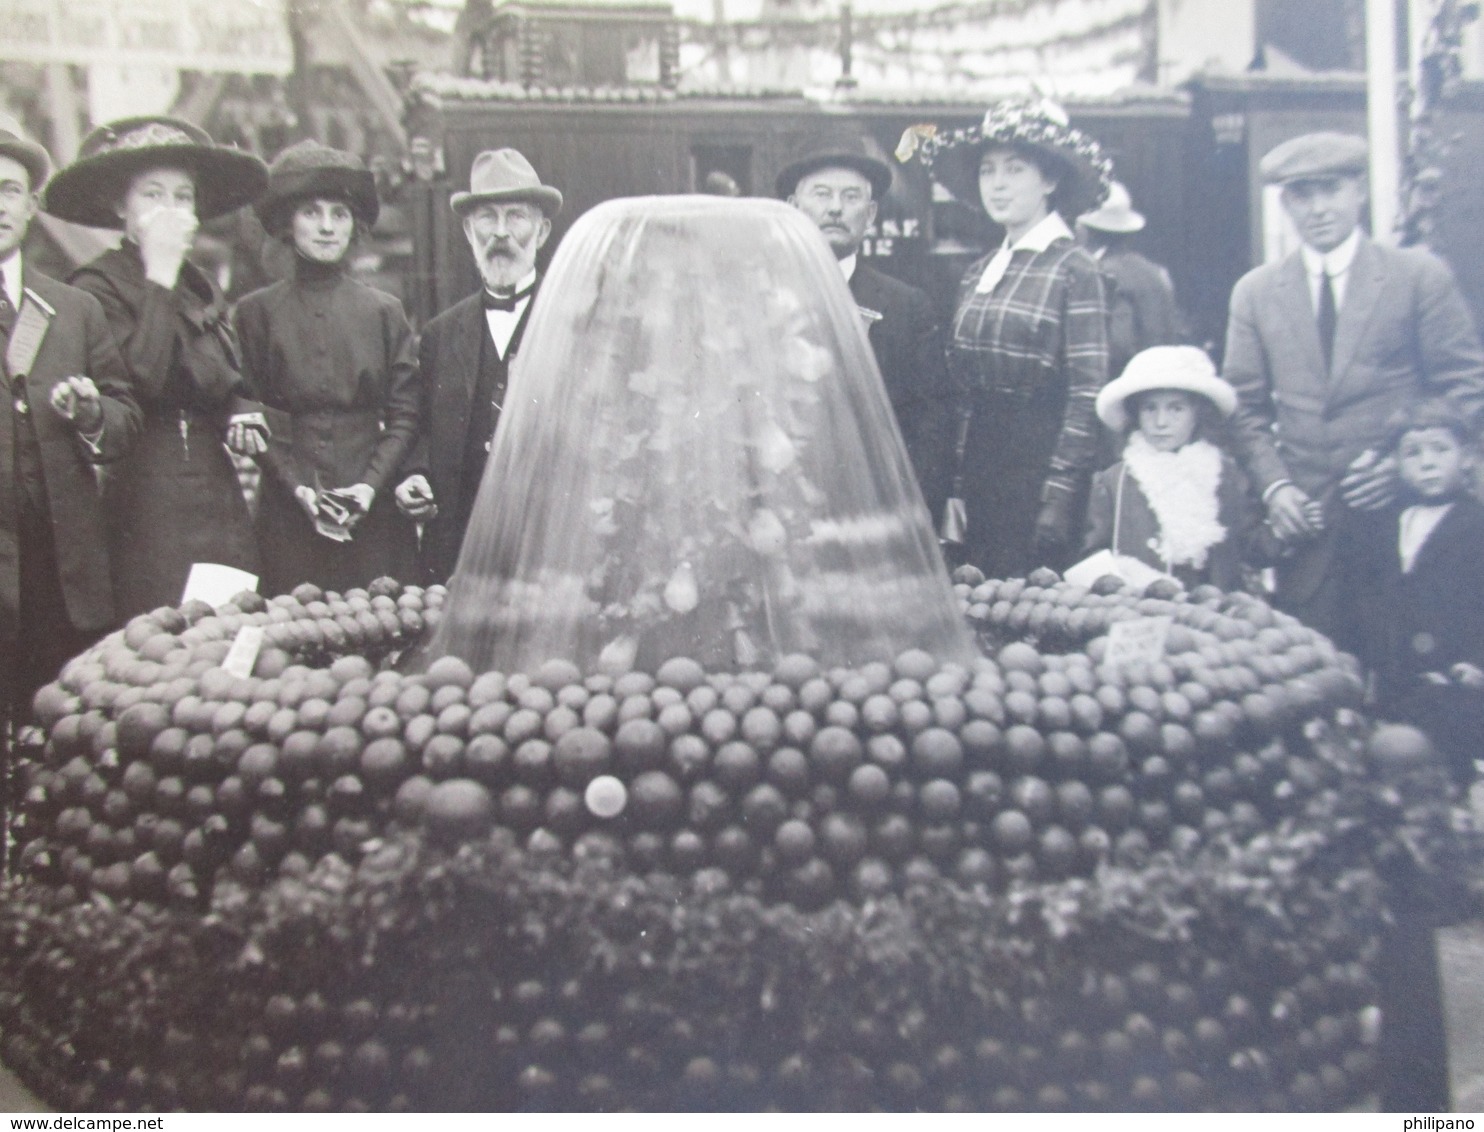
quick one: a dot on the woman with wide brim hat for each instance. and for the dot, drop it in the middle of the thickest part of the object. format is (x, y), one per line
(175, 500)
(333, 363)
(1028, 348)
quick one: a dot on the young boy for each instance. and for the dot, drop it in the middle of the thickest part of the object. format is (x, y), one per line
(1414, 571)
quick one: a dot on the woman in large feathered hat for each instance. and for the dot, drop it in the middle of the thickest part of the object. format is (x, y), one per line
(175, 499)
(1028, 350)
(332, 362)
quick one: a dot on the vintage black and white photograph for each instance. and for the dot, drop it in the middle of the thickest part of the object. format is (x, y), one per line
(911, 556)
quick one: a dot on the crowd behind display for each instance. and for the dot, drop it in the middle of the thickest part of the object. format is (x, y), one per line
(1336, 446)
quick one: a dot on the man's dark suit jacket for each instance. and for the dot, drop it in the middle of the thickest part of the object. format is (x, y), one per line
(908, 344)
(1427, 620)
(448, 359)
(77, 342)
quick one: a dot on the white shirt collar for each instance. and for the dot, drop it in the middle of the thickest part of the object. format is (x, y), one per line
(1044, 234)
(1037, 240)
(1336, 262)
(502, 324)
(1417, 524)
(12, 270)
(847, 266)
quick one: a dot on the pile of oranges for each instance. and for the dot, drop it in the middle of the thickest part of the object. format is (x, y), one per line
(1042, 772)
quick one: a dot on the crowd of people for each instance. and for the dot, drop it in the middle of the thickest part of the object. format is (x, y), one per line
(1055, 420)
(1056, 417)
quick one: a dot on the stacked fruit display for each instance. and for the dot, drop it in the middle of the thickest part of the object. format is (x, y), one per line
(1039, 880)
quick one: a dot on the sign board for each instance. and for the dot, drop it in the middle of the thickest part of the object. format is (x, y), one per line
(1139, 640)
(216, 584)
(243, 654)
(245, 37)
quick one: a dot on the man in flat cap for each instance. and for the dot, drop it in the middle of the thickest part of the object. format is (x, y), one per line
(465, 353)
(68, 407)
(1323, 347)
(838, 189)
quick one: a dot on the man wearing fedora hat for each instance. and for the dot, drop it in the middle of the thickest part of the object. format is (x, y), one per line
(465, 354)
(1141, 306)
(68, 407)
(1323, 347)
(839, 189)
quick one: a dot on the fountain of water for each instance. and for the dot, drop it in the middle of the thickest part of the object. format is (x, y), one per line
(697, 458)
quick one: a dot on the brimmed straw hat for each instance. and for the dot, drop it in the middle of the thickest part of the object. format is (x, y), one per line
(89, 190)
(1186, 368)
(505, 175)
(1039, 127)
(1116, 215)
(308, 171)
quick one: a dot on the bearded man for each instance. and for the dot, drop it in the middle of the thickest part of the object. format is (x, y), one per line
(465, 355)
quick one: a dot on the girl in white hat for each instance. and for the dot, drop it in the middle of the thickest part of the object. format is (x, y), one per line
(1176, 501)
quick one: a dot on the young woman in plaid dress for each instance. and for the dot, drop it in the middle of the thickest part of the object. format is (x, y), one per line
(1029, 345)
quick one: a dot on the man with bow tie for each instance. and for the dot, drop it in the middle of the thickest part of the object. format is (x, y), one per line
(465, 354)
(1323, 347)
(67, 407)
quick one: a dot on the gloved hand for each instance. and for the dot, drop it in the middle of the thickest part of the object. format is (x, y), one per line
(247, 434)
(1053, 531)
(77, 399)
(308, 500)
(362, 493)
(415, 498)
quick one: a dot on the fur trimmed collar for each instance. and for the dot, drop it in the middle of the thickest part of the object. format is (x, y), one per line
(1181, 488)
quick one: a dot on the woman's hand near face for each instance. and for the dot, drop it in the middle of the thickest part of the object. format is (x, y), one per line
(165, 235)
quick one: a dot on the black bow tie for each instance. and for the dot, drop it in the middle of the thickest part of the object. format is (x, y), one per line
(497, 303)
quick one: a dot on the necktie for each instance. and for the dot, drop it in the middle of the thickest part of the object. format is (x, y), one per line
(1327, 319)
(7, 316)
(994, 271)
(504, 303)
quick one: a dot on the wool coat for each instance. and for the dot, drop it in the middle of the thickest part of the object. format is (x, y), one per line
(332, 361)
(1428, 619)
(175, 499)
(908, 343)
(76, 342)
(1403, 332)
(1120, 519)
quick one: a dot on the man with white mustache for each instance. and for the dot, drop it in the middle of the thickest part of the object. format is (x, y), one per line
(465, 354)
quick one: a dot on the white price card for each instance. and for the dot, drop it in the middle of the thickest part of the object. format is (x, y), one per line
(1139, 640)
(243, 654)
(216, 584)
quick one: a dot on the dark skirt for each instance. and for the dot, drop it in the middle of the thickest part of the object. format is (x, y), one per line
(174, 501)
(384, 543)
(1006, 462)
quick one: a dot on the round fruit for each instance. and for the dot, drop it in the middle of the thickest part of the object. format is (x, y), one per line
(1012, 831)
(458, 810)
(580, 755)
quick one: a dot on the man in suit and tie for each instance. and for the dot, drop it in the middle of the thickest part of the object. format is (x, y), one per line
(67, 407)
(465, 354)
(839, 189)
(1323, 347)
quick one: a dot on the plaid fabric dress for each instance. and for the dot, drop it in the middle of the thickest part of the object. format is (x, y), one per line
(1027, 361)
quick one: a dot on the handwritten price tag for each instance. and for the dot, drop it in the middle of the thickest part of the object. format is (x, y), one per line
(244, 651)
(1139, 640)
